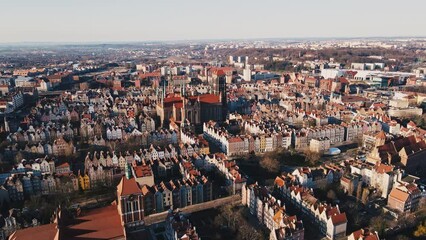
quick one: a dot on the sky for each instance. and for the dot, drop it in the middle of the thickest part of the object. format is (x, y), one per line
(164, 20)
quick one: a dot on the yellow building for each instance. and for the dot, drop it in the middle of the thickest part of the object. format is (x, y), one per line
(84, 182)
(262, 143)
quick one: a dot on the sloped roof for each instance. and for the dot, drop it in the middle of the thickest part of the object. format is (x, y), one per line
(128, 187)
(101, 223)
(47, 231)
(399, 195)
(338, 219)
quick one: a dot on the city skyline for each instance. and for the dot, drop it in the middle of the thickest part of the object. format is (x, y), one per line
(141, 21)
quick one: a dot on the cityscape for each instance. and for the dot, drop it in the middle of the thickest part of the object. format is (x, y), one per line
(221, 135)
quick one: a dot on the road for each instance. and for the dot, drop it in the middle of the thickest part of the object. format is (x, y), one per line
(159, 217)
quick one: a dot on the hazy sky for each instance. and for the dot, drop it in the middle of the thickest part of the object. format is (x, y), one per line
(142, 20)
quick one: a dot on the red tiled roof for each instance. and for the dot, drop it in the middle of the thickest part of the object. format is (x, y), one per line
(234, 140)
(47, 231)
(128, 187)
(206, 98)
(101, 223)
(382, 168)
(338, 219)
(364, 234)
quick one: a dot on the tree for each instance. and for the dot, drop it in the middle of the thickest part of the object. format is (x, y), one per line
(359, 191)
(379, 224)
(421, 230)
(312, 157)
(351, 188)
(247, 232)
(227, 216)
(270, 164)
(365, 194)
(331, 194)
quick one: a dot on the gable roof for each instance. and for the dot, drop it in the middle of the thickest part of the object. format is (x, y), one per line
(128, 187)
(47, 231)
(399, 195)
(338, 219)
(101, 223)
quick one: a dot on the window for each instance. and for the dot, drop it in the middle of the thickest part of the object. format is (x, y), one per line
(135, 206)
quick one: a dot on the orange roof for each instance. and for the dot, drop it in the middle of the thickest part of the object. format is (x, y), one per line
(47, 231)
(383, 168)
(128, 187)
(381, 135)
(399, 195)
(279, 181)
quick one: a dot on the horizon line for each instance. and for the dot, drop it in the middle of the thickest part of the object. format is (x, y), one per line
(203, 40)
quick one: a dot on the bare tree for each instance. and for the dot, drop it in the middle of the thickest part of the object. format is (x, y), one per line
(365, 194)
(312, 157)
(359, 191)
(247, 232)
(270, 164)
(331, 194)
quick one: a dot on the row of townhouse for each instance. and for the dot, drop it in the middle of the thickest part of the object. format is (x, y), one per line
(227, 167)
(355, 130)
(271, 213)
(40, 134)
(330, 221)
(268, 138)
(237, 145)
(25, 183)
(334, 133)
(189, 138)
(59, 147)
(383, 177)
(166, 158)
(11, 102)
(317, 177)
(135, 202)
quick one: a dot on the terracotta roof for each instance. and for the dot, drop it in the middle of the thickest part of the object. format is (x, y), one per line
(206, 98)
(101, 223)
(338, 219)
(63, 165)
(381, 135)
(364, 234)
(234, 140)
(47, 231)
(382, 168)
(143, 171)
(128, 187)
